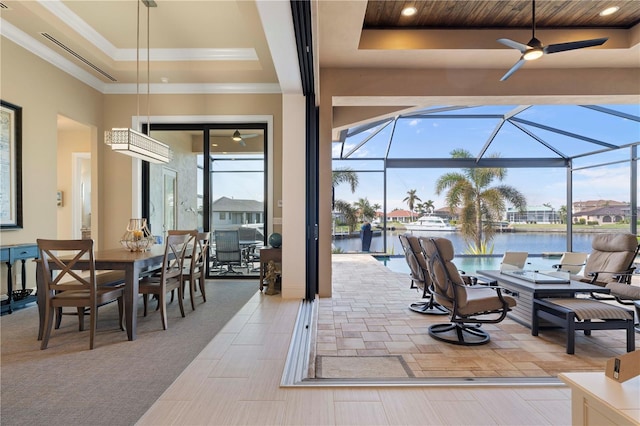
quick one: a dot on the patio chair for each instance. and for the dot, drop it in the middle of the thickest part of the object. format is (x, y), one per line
(419, 276)
(571, 262)
(611, 264)
(513, 260)
(469, 306)
(228, 251)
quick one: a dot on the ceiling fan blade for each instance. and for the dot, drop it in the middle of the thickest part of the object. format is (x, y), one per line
(242, 142)
(513, 44)
(513, 69)
(563, 47)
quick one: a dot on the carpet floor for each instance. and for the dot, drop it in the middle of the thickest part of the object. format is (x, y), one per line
(117, 381)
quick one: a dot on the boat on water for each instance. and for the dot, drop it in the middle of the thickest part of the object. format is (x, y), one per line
(430, 223)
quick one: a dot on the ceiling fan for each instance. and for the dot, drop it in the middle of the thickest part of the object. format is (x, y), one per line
(238, 137)
(535, 49)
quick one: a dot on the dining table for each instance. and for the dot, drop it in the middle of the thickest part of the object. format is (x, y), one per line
(133, 263)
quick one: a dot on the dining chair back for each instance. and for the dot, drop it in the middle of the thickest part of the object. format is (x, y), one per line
(170, 276)
(69, 283)
(196, 269)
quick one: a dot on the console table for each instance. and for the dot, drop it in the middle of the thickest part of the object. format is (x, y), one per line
(599, 400)
(9, 254)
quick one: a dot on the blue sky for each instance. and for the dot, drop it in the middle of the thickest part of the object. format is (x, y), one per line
(435, 137)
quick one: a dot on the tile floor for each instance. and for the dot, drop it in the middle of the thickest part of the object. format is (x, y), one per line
(368, 316)
(236, 379)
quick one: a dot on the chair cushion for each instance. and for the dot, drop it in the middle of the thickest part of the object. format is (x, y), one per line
(586, 309)
(624, 291)
(611, 253)
(484, 299)
(456, 291)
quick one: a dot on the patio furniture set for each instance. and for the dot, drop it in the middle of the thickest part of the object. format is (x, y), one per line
(538, 300)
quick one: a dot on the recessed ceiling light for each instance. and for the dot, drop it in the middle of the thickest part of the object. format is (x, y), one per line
(164, 80)
(409, 11)
(609, 11)
(214, 144)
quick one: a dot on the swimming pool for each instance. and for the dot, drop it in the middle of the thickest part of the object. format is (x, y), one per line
(470, 264)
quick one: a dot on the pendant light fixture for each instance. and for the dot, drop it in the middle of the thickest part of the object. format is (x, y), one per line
(131, 142)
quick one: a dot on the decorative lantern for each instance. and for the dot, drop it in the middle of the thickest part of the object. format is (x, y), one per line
(138, 237)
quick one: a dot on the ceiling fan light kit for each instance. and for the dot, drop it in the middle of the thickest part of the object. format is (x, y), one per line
(535, 49)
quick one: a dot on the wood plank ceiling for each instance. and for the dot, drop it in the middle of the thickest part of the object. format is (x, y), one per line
(482, 14)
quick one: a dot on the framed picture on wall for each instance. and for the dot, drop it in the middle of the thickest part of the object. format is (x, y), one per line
(10, 166)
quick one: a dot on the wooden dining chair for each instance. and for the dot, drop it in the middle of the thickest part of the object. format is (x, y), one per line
(169, 278)
(196, 269)
(73, 284)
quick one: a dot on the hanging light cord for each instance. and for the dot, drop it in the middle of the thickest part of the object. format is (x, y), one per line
(148, 73)
(138, 62)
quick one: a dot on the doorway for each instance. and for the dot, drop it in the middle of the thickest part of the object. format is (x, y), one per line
(218, 182)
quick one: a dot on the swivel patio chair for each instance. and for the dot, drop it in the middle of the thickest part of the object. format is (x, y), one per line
(228, 251)
(611, 264)
(469, 306)
(73, 284)
(419, 276)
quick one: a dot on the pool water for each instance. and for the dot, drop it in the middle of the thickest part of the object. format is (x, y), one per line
(470, 264)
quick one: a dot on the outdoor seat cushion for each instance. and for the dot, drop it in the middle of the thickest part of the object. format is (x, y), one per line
(611, 254)
(484, 299)
(624, 291)
(586, 309)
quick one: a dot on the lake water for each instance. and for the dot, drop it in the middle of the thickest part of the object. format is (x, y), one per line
(535, 243)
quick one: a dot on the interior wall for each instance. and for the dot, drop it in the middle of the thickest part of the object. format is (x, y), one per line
(43, 92)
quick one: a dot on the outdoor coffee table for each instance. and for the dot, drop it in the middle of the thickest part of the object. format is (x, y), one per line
(524, 291)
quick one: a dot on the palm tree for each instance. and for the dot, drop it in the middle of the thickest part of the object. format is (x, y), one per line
(411, 199)
(367, 211)
(429, 206)
(349, 213)
(344, 175)
(562, 211)
(479, 204)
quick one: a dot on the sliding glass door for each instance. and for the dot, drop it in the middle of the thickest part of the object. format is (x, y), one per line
(216, 182)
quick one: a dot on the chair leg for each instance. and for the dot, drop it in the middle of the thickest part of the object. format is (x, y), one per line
(92, 324)
(181, 300)
(48, 322)
(145, 302)
(192, 292)
(58, 317)
(163, 310)
(81, 318)
(121, 312)
(201, 280)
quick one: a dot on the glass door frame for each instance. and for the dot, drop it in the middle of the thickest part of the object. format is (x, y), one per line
(206, 127)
